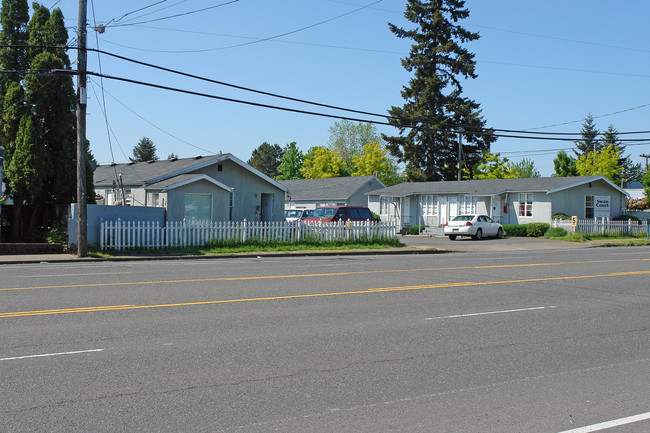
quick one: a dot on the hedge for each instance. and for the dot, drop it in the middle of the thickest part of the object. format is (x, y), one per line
(531, 229)
(416, 230)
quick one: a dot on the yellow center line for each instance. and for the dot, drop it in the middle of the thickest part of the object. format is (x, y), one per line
(329, 274)
(312, 295)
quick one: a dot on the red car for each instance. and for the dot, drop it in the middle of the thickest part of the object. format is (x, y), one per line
(340, 213)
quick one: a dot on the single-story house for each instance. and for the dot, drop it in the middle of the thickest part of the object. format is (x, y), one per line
(509, 201)
(635, 189)
(213, 188)
(334, 191)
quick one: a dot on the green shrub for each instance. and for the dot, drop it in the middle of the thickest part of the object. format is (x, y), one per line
(625, 218)
(514, 229)
(561, 216)
(416, 230)
(536, 230)
(555, 232)
(54, 236)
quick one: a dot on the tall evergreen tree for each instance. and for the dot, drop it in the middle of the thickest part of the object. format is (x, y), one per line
(589, 141)
(49, 103)
(434, 107)
(144, 151)
(14, 16)
(26, 172)
(629, 171)
(266, 158)
(53, 102)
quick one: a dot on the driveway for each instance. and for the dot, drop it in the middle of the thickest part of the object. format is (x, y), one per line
(488, 244)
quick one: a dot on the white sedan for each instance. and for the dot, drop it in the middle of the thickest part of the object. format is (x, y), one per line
(476, 226)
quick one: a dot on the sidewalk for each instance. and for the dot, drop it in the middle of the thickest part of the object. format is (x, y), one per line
(414, 245)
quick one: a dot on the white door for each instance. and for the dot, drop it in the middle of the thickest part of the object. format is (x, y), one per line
(496, 209)
(443, 210)
(453, 207)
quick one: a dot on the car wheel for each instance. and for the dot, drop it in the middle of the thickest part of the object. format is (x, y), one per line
(452, 237)
(499, 233)
(479, 235)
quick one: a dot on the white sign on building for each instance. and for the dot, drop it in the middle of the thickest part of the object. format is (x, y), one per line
(602, 206)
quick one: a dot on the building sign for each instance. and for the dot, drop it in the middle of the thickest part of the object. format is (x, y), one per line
(601, 206)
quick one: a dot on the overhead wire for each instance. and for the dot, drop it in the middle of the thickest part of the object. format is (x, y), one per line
(176, 15)
(158, 127)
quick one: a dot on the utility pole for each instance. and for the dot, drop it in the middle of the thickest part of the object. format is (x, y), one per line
(82, 218)
(460, 153)
(643, 155)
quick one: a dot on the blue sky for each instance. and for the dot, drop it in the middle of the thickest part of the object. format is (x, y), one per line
(538, 64)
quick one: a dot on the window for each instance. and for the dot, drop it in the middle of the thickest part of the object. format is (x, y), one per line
(198, 207)
(155, 199)
(526, 205)
(384, 205)
(428, 205)
(589, 206)
(467, 205)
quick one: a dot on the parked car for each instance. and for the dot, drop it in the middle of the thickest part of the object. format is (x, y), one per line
(475, 226)
(340, 213)
(296, 214)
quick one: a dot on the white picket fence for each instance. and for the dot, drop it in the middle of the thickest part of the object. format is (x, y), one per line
(604, 226)
(120, 235)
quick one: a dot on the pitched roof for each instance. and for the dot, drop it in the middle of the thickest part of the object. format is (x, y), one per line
(152, 172)
(489, 186)
(184, 179)
(331, 188)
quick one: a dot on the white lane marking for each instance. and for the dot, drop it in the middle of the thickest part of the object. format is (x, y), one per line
(490, 312)
(610, 424)
(51, 354)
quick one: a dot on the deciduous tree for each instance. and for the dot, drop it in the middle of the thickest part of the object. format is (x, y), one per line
(493, 166)
(323, 162)
(565, 165)
(525, 169)
(373, 160)
(291, 163)
(604, 163)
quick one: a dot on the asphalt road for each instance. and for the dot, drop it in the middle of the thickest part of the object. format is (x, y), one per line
(543, 341)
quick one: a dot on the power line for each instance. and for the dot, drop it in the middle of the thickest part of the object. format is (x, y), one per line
(313, 113)
(135, 11)
(304, 101)
(177, 15)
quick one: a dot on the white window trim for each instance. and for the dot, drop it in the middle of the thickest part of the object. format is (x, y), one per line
(532, 202)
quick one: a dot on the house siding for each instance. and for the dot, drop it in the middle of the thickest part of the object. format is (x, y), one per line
(176, 200)
(572, 202)
(248, 189)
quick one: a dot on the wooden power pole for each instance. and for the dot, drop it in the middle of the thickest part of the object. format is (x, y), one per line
(646, 160)
(82, 218)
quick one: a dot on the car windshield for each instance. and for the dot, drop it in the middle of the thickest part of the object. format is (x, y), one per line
(323, 213)
(464, 218)
(292, 213)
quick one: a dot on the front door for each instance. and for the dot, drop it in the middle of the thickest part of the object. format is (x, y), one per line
(443, 210)
(267, 207)
(496, 209)
(453, 207)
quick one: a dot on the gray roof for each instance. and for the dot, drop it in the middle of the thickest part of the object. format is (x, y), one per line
(331, 188)
(142, 173)
(172, 181)
(153, 172)
(487, 187)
